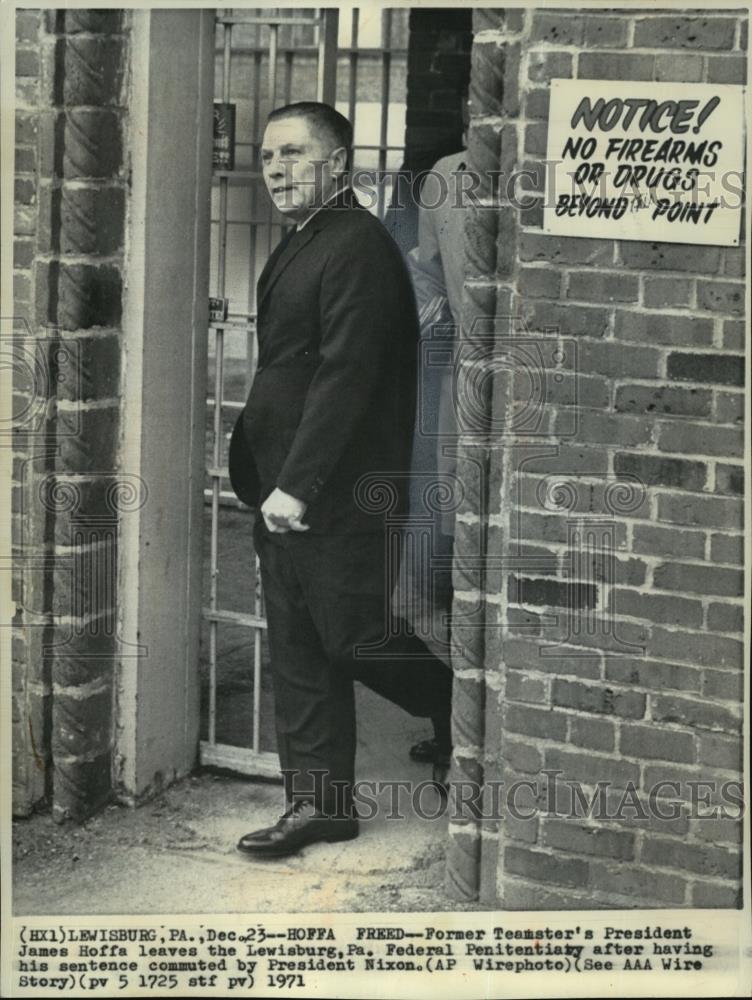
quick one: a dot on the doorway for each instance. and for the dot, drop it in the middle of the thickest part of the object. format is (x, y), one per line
(384, 71)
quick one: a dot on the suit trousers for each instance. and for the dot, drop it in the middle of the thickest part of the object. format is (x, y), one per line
(328, 607)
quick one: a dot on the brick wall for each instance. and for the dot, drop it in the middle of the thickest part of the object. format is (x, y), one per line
(70, 212)
(638, 454)
(30, 678)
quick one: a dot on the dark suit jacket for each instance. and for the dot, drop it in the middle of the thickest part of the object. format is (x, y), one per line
(333, 399)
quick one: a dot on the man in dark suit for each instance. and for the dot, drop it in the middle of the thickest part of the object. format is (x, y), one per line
(323, 441)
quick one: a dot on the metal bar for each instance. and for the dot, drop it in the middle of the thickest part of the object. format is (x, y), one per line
(228, 404)
(217, 422)
(234, 618)
(240, 760)
(342, 50)
(326, 84)
(230, 19)
(354, 56)
(258, 613)
(386, 62)
(287, 80)
(226, 499)
(273, 39)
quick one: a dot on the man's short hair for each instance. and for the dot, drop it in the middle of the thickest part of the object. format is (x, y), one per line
(321, 118)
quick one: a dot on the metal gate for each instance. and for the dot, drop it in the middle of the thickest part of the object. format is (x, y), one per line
(265, 58)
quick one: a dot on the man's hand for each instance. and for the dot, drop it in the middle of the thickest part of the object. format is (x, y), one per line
(282, 513)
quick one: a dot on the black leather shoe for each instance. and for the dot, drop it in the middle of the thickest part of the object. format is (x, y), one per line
(301, 825)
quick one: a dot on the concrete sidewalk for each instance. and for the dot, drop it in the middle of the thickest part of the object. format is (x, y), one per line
(177, 853)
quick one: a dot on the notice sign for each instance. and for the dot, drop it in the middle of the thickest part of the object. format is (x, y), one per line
(645, 161)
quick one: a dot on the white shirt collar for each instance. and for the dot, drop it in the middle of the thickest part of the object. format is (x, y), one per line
(331, 197)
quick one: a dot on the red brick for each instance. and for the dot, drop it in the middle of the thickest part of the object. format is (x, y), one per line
(699, 579)
(697, 511)
(578, 390)
(729, 479)
(524, 654)
(727, 69)
(27, 25)
(729, 407)
(727, 369)
(550, 593)
(535, 722)
(537, 103)
(718, 829)
(663, 400)
(603, 288)
(733, 335)
(539, 282)
(705, 860)
(526, 689)
(715, 896)
(590, 768)
(26, 125)
(615, 66)
(25, 191)
(678, 68)
(521, 756)
(655, 470)
(633, 881)
(695, 647)
(668, 541)
(571, 458)
(656, 607)
(564, 249)
(544, 65)
(565, 835)
(556, 28)
(725, 617)
(604, 32)
(23, 253)
(619, 360)
(705, 33)
(668, 293)
(723, 685)
(25, 161)
(727, 548)
(99, 22)
(536, 136)
(652, 674)
(545, 867)
(721, 296)
(27, 62)
(696, 714)
(720, 751)
(88, 439)
(524, 830)
(647, 741)
(735, 262)
(670, 257)
(663, 328)
(613, 430)
(597, 698)
(593, 734)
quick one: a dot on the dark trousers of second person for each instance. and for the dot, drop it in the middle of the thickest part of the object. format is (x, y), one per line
(326, 596)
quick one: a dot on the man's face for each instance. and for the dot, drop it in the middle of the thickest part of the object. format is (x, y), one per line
(296, 166)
